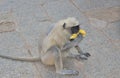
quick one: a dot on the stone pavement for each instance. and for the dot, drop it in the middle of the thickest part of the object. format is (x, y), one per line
(24, 22)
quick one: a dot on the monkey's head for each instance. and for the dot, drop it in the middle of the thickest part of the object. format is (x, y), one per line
(73, 26)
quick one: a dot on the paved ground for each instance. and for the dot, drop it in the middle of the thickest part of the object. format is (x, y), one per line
(24, 22)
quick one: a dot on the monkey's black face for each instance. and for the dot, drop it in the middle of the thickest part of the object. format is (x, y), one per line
(72, 30)
(75, 29)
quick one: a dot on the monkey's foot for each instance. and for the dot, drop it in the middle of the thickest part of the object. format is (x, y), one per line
(68, 72)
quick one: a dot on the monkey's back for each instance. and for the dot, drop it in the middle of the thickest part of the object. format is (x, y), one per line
(57, 37)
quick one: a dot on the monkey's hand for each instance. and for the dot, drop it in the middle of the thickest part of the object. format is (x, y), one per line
(81, 57)
(77, 56)
(86, 54)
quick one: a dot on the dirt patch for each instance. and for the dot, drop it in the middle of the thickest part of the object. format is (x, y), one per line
(109, 14)
(7, 23)
(7, 26)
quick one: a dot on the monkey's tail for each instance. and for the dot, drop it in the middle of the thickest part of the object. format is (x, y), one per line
(26, 59)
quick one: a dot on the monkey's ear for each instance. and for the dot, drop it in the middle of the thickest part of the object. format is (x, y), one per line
(64, 25)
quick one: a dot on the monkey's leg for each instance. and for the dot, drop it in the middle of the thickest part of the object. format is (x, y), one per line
(57, 58)
(59, 65)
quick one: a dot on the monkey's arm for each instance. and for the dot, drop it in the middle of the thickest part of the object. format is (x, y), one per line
(72, 43)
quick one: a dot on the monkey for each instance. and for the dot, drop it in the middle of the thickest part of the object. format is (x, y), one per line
(58, 41)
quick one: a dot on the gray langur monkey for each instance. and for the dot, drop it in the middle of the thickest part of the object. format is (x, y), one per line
(56, 43)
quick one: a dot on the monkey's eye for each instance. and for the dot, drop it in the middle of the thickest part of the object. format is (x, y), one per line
(75, 29)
